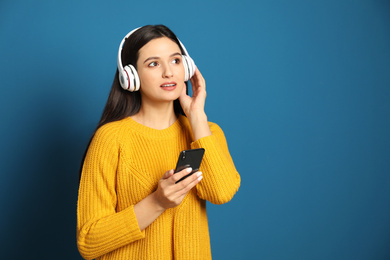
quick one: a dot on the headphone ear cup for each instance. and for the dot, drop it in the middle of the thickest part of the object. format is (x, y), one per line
(185, 65)
(132, 78)
(123, 79)
(192, 66)
(189, 67)
(137, 82)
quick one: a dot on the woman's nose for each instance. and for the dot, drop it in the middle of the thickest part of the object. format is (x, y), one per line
(167, 71)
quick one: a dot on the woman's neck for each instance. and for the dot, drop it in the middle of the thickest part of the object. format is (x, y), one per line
(157, 117)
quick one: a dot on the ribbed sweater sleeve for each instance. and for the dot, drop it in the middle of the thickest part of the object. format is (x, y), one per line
(220, 177)
(100, 229)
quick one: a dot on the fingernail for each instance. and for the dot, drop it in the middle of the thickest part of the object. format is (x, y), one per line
(189, 170)
(200, 178)
(199, 174)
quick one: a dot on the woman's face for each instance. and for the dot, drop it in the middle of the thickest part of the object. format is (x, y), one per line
(160, 70)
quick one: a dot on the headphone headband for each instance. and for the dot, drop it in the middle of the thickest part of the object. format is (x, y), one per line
(119, 61)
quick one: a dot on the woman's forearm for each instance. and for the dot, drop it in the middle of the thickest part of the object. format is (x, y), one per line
(199, 125)
(147, 211)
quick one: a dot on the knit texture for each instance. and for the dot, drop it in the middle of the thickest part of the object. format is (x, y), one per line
(123, 165)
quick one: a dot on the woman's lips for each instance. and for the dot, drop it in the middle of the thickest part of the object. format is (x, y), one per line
(168, 85)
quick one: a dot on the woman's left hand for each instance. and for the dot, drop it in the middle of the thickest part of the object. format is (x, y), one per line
(194, 106)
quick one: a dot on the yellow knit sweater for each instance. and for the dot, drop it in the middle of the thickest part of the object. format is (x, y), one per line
(123, 165)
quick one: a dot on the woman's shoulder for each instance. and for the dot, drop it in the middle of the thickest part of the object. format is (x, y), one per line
(214, 127)
(110, 131)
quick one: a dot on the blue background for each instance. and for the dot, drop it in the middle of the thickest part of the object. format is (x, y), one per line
(301, 89)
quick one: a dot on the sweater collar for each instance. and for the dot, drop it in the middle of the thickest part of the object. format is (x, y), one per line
(170, 131)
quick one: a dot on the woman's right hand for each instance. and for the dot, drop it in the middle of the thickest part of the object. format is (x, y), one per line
(170, 194)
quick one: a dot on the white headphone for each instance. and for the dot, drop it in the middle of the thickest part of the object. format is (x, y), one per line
(128, 76)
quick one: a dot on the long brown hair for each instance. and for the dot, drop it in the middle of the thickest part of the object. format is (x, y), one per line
(122, 103)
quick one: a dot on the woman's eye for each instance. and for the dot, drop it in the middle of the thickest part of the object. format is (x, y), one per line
(153, 64)
(176, 61)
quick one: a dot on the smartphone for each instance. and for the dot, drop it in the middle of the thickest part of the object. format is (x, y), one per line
(189, 158)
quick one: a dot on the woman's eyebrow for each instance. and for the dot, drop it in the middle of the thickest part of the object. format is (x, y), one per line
(151, 58)
(175, 54)
(156, 58)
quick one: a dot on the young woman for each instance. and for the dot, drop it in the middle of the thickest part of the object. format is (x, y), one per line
(129, 205)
